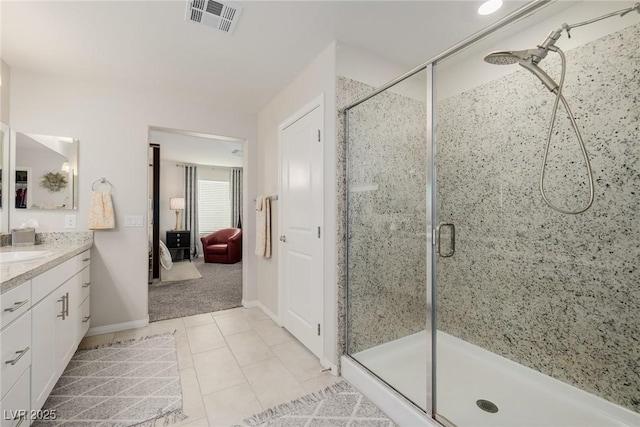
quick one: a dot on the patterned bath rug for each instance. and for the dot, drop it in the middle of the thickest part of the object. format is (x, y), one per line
(128, 383)
(339, 405)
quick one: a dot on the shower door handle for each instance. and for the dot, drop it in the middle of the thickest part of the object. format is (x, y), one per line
(453, 240)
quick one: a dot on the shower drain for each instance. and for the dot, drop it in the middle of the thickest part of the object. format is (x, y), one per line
(487, 406)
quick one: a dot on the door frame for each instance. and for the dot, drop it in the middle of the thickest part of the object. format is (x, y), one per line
(317, 102)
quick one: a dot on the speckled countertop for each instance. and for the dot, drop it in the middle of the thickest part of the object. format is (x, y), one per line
(14, 274)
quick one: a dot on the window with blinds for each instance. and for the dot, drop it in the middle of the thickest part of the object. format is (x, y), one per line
(214, 207)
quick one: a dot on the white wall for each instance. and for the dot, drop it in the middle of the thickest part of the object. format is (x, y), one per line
(319, 77)
(5, 92)
(112, 125)
(365, 67)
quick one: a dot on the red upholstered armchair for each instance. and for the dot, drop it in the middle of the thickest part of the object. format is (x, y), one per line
(223, 246)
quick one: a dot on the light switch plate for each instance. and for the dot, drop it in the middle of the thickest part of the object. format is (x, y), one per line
(69, 221)
(133, 221)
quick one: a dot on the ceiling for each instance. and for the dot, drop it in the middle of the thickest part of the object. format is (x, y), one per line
(186, 147)
(148, 45)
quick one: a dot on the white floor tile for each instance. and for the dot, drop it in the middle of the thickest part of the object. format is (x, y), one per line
(298, 360)
(189, 422)
(204, 338)
(197, 320)
(232, 324)
(320, 383)
(184, 353)
(217, 370)
(272, 383)
(248, 347)
(271, 333)
(233, 364)
(232, 405)
(192, 404)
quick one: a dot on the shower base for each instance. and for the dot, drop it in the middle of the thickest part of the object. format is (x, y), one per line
(467, 373)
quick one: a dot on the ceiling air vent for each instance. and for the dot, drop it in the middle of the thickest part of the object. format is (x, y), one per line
(222, 16)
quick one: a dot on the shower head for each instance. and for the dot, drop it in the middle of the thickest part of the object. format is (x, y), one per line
(526, 59)
(507, 57)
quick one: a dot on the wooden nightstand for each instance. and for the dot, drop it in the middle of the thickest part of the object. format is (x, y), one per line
(179, 239)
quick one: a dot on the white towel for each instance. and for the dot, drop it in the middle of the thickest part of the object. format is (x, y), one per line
(263, 227)
(101, 216)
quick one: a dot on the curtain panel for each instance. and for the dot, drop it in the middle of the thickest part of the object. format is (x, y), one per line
(191, 206)
(235, 182)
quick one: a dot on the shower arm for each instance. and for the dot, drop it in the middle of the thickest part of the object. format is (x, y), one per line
(543, 48)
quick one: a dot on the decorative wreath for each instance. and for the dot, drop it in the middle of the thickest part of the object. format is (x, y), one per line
(54, 182)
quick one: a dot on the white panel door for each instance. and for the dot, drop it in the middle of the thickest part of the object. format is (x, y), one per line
(301, 205)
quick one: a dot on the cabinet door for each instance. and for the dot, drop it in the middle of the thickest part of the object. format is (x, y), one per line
(66, 325)
(15, 405)
(83, 319)
(43, 362)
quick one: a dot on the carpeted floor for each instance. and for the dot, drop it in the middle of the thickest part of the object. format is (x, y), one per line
(129, 383)
(219, 288)
(337, 405)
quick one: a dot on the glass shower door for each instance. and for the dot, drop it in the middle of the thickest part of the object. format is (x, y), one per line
(387, 238)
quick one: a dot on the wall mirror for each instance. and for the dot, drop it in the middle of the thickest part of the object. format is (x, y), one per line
(4, 178)
(45, 175)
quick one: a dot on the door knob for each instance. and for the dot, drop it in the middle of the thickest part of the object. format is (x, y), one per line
(283, 238)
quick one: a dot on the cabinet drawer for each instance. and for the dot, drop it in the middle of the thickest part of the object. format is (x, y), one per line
(16, 343)
(14, 303)
(84, 285)
(15, 407)
(44, 284)
(84, 318)
(178, 239)
(84, 259)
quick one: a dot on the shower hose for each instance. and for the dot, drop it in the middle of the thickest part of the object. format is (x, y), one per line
(559, 97)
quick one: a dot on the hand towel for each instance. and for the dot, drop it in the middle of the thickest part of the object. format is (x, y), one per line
(263, 227)
(101, 216)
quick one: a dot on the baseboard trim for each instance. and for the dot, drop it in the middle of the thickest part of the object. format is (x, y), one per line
(252, 304)
(117, 327)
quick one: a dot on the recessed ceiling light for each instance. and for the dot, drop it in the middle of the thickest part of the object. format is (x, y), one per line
(490, 6)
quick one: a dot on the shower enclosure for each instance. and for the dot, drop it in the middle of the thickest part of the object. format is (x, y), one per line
(471, 299)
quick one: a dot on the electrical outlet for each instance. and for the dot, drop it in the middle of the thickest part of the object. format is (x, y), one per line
(69, 221)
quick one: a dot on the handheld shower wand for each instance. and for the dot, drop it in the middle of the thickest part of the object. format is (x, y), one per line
(529, 59)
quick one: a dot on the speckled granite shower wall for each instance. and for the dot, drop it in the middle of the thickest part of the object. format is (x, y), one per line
(387, 225)
(558, 293)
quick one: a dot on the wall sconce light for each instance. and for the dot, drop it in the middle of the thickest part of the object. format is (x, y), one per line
(65, 167)
(177, 204)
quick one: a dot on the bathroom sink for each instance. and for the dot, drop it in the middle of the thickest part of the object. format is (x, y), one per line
(9, 257)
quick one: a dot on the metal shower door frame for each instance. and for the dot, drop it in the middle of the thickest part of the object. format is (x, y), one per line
(430, 67)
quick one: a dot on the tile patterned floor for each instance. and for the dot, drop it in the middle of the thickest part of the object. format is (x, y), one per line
(233, 364)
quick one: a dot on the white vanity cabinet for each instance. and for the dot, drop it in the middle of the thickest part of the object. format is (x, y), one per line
(15, 339)
(56, 318)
